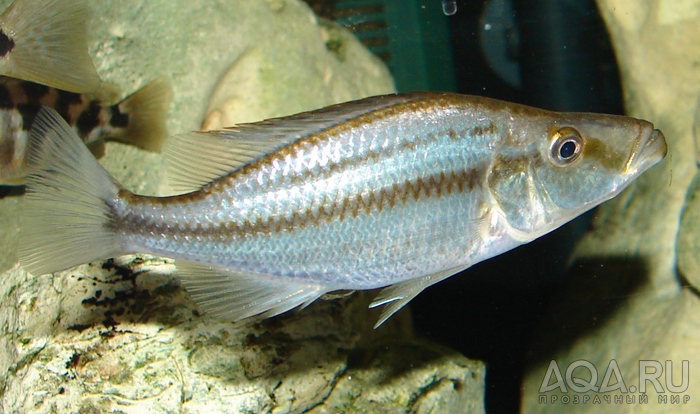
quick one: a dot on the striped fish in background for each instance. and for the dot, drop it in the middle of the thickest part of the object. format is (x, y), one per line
(44, 61)
(138, 120)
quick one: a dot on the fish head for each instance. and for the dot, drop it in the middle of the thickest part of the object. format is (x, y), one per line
(588, 158)
(569, 163)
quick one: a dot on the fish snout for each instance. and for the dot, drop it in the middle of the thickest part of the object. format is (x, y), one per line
(656, 144)
(649, 150)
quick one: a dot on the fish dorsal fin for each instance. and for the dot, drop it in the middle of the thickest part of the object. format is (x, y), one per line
(397, 296)
(231, 296)
(197, 158)
(47, 44)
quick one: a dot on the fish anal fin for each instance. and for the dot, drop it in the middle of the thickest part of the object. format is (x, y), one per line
(48, 44)
(396, 296)
(231, 296)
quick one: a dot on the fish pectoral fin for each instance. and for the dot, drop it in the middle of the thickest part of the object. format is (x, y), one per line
(397, 296)
(49, 44)
(232, 296)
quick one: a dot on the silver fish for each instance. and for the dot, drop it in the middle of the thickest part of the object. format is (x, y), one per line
(397, 191)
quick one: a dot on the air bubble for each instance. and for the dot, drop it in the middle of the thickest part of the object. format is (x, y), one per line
(449, 7)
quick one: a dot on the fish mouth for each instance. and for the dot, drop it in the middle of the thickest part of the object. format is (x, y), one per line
(650, 148)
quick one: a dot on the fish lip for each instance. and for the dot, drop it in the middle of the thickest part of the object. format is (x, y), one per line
(652, 148)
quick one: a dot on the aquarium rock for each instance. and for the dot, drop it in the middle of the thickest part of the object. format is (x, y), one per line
(122, 336)
(632, 297)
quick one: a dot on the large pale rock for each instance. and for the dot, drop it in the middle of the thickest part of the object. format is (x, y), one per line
(122, 336)
(626, 303)
(124, 339)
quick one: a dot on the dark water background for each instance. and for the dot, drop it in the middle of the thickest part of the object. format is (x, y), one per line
(553, 54)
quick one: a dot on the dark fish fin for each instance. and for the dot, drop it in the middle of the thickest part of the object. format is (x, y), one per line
(145, 111)
(46, 43)
(231, 296)
(97, 148)
(196, 158)
(66, 206)
(397, 296)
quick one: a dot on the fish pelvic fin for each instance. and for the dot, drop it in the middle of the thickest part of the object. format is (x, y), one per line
(44, 41)
(398, 295)
(67, 201)
(231, 296)
(140, 118)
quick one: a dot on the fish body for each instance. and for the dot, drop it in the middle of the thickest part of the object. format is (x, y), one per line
(139, 119)
(396, 191)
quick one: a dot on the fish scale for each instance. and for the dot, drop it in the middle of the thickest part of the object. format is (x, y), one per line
(396, 191)
(408, 173)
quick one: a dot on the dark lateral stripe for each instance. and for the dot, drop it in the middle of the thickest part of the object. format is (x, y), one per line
(89, 119)
(435, 186)
(326, 208)
(5, 98)
(6, 44)
(418, 143)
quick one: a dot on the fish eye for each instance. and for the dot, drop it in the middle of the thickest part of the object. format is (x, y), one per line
(567, 145)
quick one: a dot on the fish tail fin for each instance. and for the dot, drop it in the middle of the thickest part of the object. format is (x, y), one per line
(44, 41)
(142, 115)
(68, 201)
